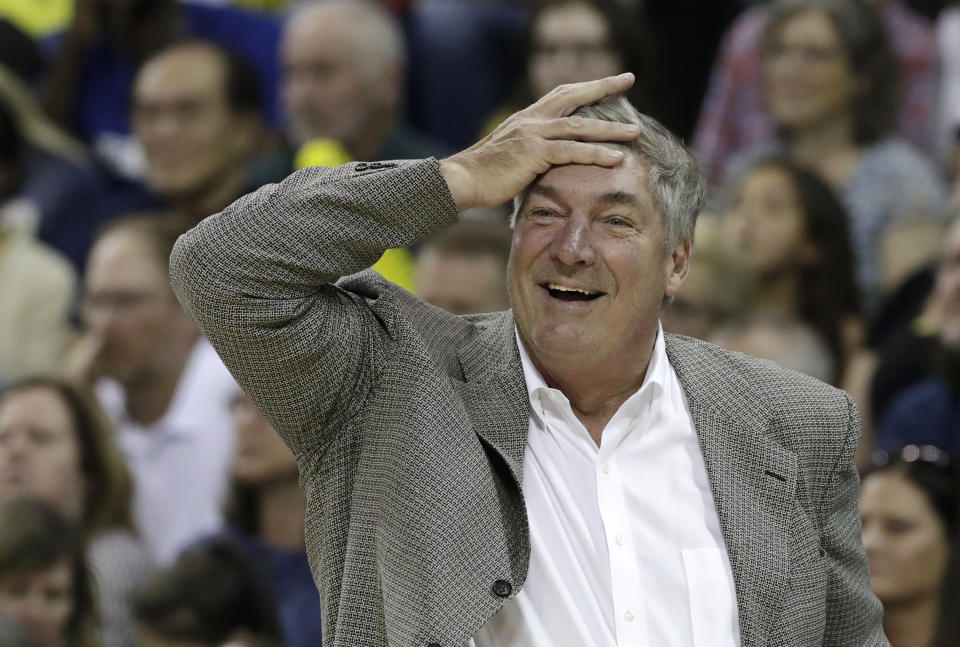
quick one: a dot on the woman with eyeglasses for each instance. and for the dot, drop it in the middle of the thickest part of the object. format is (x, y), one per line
(829, 82)
(908, 506)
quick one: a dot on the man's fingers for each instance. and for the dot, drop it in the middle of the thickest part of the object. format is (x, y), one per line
(569, 152)
(563, 100)
(586, 130)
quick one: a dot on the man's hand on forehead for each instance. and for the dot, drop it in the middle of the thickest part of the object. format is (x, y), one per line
(529, 142)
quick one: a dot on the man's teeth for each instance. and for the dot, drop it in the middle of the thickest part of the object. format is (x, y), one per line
(563, 288)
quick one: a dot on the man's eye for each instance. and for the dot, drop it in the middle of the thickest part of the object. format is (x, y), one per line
(617, 221)
(542, 213)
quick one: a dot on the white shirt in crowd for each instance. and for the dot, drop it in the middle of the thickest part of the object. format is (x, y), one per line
(180, 464)
(626, 546)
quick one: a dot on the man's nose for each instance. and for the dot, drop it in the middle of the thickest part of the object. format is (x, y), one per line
(573, 244)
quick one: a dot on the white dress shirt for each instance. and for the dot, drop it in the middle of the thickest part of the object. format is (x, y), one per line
(626, 546)
(180, 464)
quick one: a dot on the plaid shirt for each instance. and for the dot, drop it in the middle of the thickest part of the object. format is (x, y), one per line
(733, 118)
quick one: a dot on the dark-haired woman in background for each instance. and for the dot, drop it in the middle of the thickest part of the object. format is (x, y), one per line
(569, 41)
(908, 506)
(44, 584)
(54, 445)
(792, 232)
(829, 83)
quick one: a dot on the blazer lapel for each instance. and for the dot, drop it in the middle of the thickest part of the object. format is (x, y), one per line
(752, 478)
(495, 393)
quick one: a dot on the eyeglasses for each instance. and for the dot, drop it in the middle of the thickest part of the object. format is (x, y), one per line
(912, 454)
(583, 50)
(808, 54)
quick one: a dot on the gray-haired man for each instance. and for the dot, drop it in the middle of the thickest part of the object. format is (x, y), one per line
(559, 474)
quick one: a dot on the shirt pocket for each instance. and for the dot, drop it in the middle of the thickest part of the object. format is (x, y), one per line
(713, 612)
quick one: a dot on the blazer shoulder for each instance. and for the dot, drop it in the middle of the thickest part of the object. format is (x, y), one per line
(788, 395)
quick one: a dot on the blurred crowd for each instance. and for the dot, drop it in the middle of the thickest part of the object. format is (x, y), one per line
(143, 498)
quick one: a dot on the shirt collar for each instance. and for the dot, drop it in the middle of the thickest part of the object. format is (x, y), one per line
(655, 378)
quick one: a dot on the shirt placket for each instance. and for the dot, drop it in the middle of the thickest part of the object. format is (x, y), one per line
(628, 594)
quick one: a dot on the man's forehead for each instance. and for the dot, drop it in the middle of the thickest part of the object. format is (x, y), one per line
(182, 74)
(622, 184)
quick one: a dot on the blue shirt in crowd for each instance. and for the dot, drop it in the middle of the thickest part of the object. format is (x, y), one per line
(288, 576)
(927, 414)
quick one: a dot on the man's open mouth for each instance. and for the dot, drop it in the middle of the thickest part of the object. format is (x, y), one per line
(566, 293)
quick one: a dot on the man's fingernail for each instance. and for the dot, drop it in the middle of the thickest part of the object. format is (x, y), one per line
(614, 154)
(625, 75)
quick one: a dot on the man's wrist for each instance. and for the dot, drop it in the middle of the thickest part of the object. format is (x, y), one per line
(458, 182)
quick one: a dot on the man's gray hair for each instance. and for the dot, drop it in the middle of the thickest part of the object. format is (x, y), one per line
(674, 180)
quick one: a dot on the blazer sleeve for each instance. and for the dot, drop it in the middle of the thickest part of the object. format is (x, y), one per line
(259, 278)
(854, 615)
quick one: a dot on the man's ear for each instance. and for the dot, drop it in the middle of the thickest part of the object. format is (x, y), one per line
(678, 266)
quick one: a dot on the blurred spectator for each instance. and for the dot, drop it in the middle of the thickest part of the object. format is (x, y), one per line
(344, 69)
(792, 233)
(463, 269)
(196, 114)
(161, 383)
(54, 445)
(209, 596)
(62, 195)
(36, 284)
(790, 343)
(92, 70)
(908, 506)
(267, 522)
(826, 68)
(717, 288)
(733, 117)
(929, 411)
(569, 41)
(919, 349)
(44, 584)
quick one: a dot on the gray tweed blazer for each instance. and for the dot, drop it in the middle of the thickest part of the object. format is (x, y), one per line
(409, 426)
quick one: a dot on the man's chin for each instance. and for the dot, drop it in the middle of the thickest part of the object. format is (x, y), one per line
(563, 340)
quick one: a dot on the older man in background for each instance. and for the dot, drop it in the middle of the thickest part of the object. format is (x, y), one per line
(163, 386)
(344, 72)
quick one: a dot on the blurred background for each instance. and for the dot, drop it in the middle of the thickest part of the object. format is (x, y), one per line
(143, 498)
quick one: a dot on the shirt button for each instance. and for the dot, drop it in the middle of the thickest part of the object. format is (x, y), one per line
(629, 615)
(619, 540)
(605, 468)
(502, 588)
